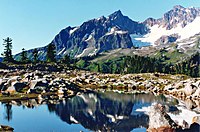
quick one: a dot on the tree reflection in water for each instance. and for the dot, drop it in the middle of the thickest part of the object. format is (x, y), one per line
(8, 111)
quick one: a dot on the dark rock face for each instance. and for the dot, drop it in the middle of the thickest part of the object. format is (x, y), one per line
(126, 24)
(110, 42)
(167, 39)
(150, 22)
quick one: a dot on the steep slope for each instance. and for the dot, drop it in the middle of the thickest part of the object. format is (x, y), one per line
(98, 35)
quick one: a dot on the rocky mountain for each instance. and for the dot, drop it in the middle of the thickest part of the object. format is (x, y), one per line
(177, 15)
(98, 35)
(184, 22)
(119, 31)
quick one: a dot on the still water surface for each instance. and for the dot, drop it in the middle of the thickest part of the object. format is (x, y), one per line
(84, 112)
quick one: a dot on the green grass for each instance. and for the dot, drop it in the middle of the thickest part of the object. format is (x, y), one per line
(18, 96)
(169, 57)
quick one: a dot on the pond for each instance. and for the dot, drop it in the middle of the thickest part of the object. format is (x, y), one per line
(104, 111)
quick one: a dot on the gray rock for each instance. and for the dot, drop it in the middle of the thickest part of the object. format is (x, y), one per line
(37, 86)
(159, 118)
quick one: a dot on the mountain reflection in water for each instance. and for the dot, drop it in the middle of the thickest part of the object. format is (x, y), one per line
(97, 111)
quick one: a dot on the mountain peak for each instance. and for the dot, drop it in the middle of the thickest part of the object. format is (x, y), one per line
(117, 13)
(179, 15)
(178, 7)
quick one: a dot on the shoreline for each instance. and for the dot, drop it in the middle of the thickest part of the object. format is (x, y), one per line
(24, 85)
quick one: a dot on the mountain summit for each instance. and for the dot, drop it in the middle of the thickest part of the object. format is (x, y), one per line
(116, 14)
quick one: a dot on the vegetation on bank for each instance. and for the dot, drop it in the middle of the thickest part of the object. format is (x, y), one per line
(120, 65)
(141, 64)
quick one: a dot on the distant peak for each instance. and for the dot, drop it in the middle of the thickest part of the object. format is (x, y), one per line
(178, 7)
(116, 13)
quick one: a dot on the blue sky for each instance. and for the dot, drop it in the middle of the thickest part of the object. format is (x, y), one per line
(34, 23)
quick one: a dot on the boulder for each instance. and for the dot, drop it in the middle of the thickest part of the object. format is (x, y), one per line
(190, 104)
(2, 84)
(189, 89)
(19, 86)
(196, 119)
(160, 120)
(196, 95)
(4, 128)
(14, 79)
(37, 86)
(11, 89)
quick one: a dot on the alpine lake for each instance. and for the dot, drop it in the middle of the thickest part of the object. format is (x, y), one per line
(90, 111)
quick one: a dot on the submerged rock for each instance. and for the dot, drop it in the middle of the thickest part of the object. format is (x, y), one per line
(196, 119)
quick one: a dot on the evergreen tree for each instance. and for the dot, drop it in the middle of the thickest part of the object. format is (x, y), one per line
(35, 55)
(66, 60)
(24, 58)
(51, 53)
(98, 68)
(7, 54)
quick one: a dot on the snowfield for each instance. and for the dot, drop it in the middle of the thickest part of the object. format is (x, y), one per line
(157, 31)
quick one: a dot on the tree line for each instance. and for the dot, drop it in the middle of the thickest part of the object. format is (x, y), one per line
(141, 64)
(24, 59)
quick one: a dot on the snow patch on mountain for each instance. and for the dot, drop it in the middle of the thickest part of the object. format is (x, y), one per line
(60, 52)
(80, 55)
(90, 51)
(157, 31)
(73, 30)
(115, 30)
(93, 53)
(89, 38)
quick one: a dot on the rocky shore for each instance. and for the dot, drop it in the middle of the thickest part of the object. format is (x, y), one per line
(22, 84)
(4, 128)
(160, 121)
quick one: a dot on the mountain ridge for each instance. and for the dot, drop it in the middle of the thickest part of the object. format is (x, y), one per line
(118, 31)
